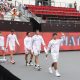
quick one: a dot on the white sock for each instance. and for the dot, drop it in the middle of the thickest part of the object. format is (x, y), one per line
(50, 70)
(56, 70)
(37, 65)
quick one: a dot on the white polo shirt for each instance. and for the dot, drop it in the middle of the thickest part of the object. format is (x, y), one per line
(11, 40)
(54, 45)
(28, 42)
(37, 40)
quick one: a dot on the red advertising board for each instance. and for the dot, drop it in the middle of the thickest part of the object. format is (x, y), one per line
(72, 40)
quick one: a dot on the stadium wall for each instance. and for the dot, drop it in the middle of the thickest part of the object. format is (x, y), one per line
(72, 40)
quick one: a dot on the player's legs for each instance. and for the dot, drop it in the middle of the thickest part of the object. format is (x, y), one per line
(26, 56)
(36, 60)
(12, 51)
(36, 54)
(31, 57)
(26, 59)
(56, 69)
(2, 51)
(11, 56)
(54, 64)
(3, 54)
(27, 52)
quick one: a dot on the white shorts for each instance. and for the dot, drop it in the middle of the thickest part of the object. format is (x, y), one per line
(2, 48)
(55, 57)
(36, 52)
(12, 48)
(27, 51)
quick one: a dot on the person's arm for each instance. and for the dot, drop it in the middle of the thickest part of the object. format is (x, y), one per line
(17, 40)
(42, 40)
(7, 41)
(43, 43)
(48, 48)
(62, 38)
(32, 40)
(25, 42)
(3, 42)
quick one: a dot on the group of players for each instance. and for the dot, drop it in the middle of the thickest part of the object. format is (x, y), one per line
(32, 46)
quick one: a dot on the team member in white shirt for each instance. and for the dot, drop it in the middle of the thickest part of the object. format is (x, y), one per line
(2, 45)
(11, 42)
(54, 46)
(28, 48)
(37, 40)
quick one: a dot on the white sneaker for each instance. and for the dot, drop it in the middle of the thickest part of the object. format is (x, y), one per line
(28, 64)
(13, 61)
(50, 70)
(3, 60)
(39, 68)
(31, 64)
(36, 66)
(58, 74)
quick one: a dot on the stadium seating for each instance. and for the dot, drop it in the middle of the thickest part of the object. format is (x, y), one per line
(51, 10)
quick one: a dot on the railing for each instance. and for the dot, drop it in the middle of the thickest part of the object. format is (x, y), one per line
(21, 9)
(28, 13)
(63, 21)
(9, 18)
(57, 4)
(47, 3)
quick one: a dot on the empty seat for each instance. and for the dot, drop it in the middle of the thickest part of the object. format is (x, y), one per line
(50, 10)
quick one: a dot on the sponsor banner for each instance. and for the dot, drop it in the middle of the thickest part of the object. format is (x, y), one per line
(72, 40)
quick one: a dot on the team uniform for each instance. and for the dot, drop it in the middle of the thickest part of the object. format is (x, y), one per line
(54, 46)
(2, 48)
(37, 40)
(11, 40)
(28, 49)
(1, 43)
(27, 44)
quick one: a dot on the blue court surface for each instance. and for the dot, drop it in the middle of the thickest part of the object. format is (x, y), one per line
(69, 67)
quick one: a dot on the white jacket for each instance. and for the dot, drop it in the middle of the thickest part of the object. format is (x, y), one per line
(1, 41)
(11, 40)
(28, 42)
(54, 45)
(37, 40)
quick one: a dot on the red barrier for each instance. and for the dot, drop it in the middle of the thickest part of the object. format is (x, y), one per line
(72, 40)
